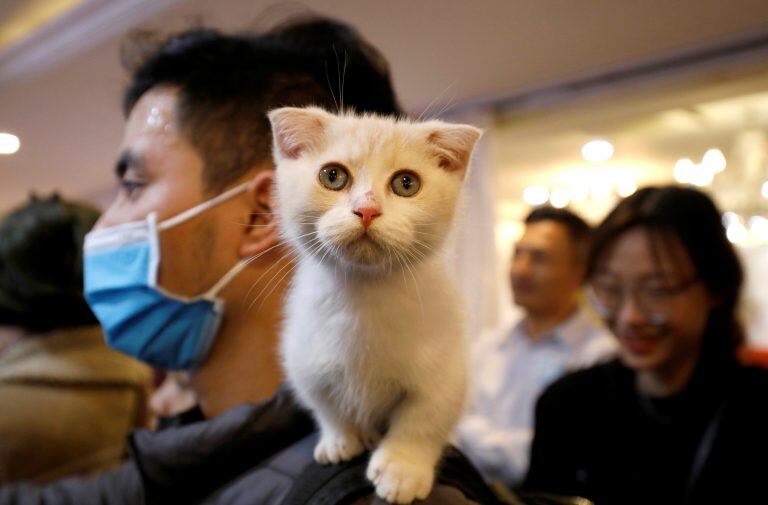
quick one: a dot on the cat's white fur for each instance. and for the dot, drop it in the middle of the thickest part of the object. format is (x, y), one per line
(373, 338)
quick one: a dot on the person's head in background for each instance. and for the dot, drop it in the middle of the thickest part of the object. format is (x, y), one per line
(548, 267)
(41, 266)
(196, 127)
(667, 281)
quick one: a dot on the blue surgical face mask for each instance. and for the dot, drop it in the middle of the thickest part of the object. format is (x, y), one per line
(138, 316)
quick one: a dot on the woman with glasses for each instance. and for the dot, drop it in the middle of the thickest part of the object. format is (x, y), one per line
(675, 419)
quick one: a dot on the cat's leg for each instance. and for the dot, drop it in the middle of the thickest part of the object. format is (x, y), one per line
(403, 466)
(339, 438)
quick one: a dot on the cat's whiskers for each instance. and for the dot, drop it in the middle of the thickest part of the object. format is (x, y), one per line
(408, 265)
(265, 272)
(448, 105)
(427, 247)
(264, 299)
(330, 88)
(255, 257)
(388, 248)
(314, 241)
(327, 250)
(274, 225)
(424, 112)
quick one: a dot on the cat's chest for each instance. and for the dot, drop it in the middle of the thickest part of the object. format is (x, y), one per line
(354, 313)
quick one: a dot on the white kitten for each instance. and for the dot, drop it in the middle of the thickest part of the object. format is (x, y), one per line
(373, 340)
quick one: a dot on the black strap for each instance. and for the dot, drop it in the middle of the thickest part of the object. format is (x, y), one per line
(330, 484)
(702, 451)
(456, 470)
(343, 484)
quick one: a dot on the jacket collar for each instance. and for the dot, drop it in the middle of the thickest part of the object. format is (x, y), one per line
(189, 462)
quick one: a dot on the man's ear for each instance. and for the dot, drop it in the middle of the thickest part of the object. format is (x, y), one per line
(262, 231)
(296, 130)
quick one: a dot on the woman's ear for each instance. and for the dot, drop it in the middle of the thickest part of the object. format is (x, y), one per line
(262, 231)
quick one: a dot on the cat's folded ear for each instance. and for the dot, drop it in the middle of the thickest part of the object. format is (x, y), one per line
(453, 144)
(297, 130)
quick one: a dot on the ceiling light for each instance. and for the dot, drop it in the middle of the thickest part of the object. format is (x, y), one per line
(702, 176)
(596, 151)
(684, 170)
(626, 187)
(736, 232)
(730, 217)
(535, 195)
(9, 143)
(559, 198)
(601, 189)
(758, 226)
(580, 191)
(714, 160)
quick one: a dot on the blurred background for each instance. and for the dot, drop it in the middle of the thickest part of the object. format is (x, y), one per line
(582, 102)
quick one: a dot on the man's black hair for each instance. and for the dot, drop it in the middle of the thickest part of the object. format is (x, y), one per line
(41, 265)
(579, 232)
(227, 84)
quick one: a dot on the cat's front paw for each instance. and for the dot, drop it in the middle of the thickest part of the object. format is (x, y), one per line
(337, 448)
(399, 479)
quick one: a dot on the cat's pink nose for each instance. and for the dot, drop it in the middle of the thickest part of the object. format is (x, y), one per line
(367, 214)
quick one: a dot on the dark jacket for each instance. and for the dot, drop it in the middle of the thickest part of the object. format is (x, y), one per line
(251, 454)
(597, 437)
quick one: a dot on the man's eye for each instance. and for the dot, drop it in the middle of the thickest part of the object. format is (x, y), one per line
(130, 187)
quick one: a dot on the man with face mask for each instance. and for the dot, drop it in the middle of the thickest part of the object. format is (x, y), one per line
(185, 271)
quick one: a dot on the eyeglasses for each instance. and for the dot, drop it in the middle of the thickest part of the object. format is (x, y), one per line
(652, 298)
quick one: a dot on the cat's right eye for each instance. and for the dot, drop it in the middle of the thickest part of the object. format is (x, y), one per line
(333, 176)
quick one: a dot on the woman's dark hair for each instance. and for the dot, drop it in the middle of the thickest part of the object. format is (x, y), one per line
(41, 265)
(690, 216)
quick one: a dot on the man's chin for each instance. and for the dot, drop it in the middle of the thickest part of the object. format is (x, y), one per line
(525, 300)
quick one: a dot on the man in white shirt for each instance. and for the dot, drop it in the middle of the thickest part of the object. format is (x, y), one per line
(512, 365)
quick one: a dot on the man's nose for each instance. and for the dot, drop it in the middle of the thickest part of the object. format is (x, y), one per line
(521, 265)
(367, 214)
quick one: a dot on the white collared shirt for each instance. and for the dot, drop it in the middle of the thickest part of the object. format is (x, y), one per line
(508, 372)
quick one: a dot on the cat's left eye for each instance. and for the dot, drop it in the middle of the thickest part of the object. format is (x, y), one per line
(405, 183)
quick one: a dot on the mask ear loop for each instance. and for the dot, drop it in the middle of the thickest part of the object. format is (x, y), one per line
(226, 279)
(197, 209)
(190, 213)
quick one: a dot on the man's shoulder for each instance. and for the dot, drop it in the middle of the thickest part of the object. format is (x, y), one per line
(265, 454)
(457, 481)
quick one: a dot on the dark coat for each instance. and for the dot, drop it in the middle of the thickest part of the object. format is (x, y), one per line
(597, 437)
(251, 454)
